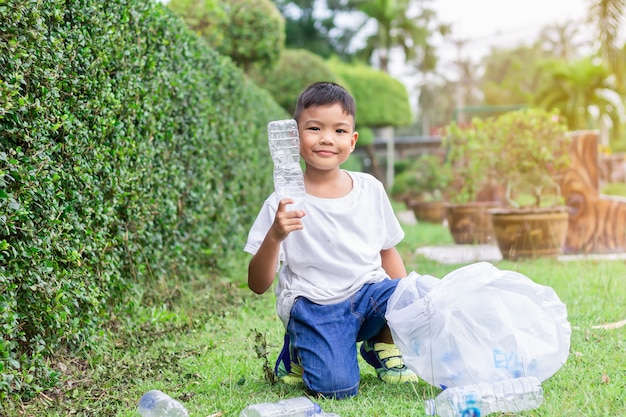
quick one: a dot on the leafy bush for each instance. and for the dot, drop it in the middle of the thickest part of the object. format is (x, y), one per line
(255, 33)
(426, 176)
(127, 153)
(296, 70)
(381, 99)
(204, 17)
(532, 148)
(470, 157)
(248, 31)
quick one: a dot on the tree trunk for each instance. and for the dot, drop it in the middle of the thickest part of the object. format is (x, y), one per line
(371, 152)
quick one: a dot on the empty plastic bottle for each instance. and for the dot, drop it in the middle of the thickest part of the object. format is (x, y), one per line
(292, 407)
(284, 143)
(480, 400)
(158, 404)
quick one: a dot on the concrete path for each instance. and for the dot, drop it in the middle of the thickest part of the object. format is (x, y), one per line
(466, 254)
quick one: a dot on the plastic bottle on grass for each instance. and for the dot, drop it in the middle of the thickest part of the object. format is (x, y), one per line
(482, 399)
(284, 142)
(292, 407)
(155, 403)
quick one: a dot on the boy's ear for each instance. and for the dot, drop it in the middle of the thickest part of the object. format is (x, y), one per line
(355, 137)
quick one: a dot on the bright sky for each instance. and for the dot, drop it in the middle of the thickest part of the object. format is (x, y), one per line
(483, 24)
(504, 23)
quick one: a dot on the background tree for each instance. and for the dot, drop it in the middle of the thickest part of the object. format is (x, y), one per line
(255, 33)
(296, 69)
(403, 25)
(248, 31)
(607, 16)
(436, 103)
(562, 40)
(312, 28)
(204, 17)
(577, 89)
(511, 76)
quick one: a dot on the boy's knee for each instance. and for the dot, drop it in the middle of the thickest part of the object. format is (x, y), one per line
(332, 375)
(332, 388)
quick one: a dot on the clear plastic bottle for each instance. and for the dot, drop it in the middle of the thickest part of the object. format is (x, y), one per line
(284, 143)
(292, 407)
(480, 400)
(155, 403)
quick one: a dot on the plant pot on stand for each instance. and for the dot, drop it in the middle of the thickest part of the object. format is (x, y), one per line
(530, 232)
(470, 160)
(531, 145)
(429, 211)
(423, 183)
(470, 223)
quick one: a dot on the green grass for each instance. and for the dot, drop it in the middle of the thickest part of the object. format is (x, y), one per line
(211, 352)
(615, 188)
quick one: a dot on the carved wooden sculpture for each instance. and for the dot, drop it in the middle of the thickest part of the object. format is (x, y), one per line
(597, 223)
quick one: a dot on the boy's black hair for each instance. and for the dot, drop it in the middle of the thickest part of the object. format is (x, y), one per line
(325, 93)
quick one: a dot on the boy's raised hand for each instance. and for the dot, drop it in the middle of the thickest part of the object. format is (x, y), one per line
(286, 221)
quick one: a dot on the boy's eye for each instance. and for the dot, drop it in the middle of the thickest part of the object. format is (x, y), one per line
(341, 131)
(313, 128)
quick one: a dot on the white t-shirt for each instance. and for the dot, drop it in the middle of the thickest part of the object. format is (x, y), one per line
(338, 250)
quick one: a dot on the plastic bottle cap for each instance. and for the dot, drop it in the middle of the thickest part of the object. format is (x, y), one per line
(471, 412)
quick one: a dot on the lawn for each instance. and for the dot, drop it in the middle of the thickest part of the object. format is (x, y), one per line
(213, 353)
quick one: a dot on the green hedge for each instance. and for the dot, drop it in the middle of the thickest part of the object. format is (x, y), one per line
(296, 70)
(381, 99)
(129, 152)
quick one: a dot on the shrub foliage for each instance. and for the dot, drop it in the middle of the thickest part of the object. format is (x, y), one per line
(128, 151)
(382, 100)
(296, 69)
(248, 31)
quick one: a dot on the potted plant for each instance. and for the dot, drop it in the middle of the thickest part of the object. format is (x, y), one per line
(472, 190)
(532, 151)
(423, 184)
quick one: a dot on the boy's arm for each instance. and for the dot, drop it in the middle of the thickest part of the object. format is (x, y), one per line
(262, 267)
(392, 263)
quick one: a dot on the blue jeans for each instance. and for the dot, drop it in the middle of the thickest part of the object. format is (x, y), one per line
(323, 338)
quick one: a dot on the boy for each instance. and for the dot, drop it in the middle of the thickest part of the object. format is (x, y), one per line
(338, 253)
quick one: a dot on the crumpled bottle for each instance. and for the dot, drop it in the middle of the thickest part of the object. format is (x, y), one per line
(156, 403)
(284, 144)
(482, 399)
(291, 407)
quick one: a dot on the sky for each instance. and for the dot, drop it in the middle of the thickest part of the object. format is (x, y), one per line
(483, 24)
(486, 23)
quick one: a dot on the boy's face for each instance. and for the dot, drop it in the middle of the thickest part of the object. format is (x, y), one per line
(327, 136)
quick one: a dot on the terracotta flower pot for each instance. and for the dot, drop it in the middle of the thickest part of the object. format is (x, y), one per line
(470, 223)
(429, 211)
(530, 233)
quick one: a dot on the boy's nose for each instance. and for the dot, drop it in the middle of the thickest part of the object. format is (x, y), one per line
(327, 137)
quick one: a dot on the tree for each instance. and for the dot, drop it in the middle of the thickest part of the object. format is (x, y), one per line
(248, 31)
(204, 17)
(296, 69)
(436, 103)
(255, 33)
(561, 40)
(575, 89)
(324, 27)
(404, 25)
(512, 76)
(607, 16)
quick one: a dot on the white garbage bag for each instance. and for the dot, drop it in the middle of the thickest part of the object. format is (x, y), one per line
(478, 324)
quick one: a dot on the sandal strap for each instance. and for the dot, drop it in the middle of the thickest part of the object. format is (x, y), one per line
(389, 355)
